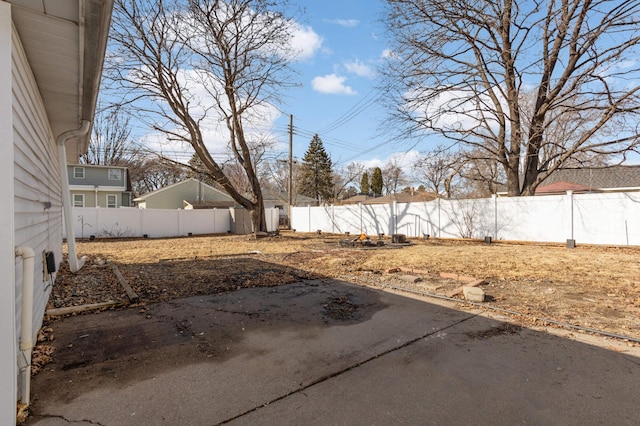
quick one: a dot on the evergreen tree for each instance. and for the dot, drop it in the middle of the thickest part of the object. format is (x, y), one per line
(315, 179)
(376, 182)
(364, 183)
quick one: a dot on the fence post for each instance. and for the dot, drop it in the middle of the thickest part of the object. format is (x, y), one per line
(495, 216)
(309, 219)
(97, 231)
(333, 219)
(570, 195)
(394, 210)
(439, 224)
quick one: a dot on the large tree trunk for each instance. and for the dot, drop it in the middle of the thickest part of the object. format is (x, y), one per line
(258, 217)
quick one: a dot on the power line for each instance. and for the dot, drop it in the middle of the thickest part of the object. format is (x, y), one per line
(369, 99)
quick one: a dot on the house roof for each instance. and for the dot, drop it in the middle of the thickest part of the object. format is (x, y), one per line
(615, 177)
(65, 43)
(143, 197)
(283, 197)
(356, 199)
(562, 187)
(197, 205)
(95, 166)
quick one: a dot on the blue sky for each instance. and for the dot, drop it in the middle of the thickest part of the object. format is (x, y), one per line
(337, 99)
(342, 44)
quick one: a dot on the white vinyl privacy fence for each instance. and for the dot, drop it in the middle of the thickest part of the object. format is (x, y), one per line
(154, 223)
(603, 218)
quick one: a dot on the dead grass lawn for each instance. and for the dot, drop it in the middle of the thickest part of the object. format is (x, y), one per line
(594, 287)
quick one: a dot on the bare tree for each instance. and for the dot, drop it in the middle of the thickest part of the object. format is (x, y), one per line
(394, 177)
(461, 69)
(438, 169)
(111, 143)
(193, 65)
(480, 177)
(154, 173)
(345, 178)
(276, 174)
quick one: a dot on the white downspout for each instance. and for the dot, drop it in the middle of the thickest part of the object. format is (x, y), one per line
(75, 264)
(26, 324)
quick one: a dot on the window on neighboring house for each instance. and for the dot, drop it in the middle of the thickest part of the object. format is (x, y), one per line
(115, 174)
(78, 200)
(112, 201)
(78, 172)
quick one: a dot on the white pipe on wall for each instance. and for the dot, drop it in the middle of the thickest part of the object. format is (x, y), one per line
(75, 264)
(26, 325)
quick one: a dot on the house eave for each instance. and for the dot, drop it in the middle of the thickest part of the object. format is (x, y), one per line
(67, 74)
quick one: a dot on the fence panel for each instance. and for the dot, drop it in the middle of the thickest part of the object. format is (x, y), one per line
(545, 218)
(155, 223)
(611, 217)
(597, 218)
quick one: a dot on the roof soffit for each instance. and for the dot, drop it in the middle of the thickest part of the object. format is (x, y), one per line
(65, 42)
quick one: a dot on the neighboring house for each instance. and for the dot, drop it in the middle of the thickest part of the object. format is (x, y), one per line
(356, 199)
(562, 187)
(609, 179)
(99, 186)
(51, 55)
(280, 200)
(188, 194)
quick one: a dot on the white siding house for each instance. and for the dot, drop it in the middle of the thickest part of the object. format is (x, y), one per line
(51, 55)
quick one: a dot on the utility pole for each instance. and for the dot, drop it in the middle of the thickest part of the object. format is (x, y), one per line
(290, 166)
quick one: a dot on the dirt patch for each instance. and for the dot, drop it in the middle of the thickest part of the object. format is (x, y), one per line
(593, 287)
(502, 329)
(341, 308)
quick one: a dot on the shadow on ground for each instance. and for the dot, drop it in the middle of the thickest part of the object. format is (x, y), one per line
(321, 351)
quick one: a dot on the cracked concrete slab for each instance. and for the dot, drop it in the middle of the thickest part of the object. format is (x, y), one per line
(324, 352)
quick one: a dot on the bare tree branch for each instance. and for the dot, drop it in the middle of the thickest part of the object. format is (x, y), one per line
(187, 65)
(505, 76)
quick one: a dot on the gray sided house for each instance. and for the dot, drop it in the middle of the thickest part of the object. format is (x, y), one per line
(188, 194)
(51, 55)
(99, 186)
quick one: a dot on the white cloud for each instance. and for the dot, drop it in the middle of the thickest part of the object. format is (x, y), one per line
(455, 110)
(305, 41)
(359, 68)
(332, 84)
(347, 23)
(372, 163)
(257, 122)
(387, 53)
(402, 159)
